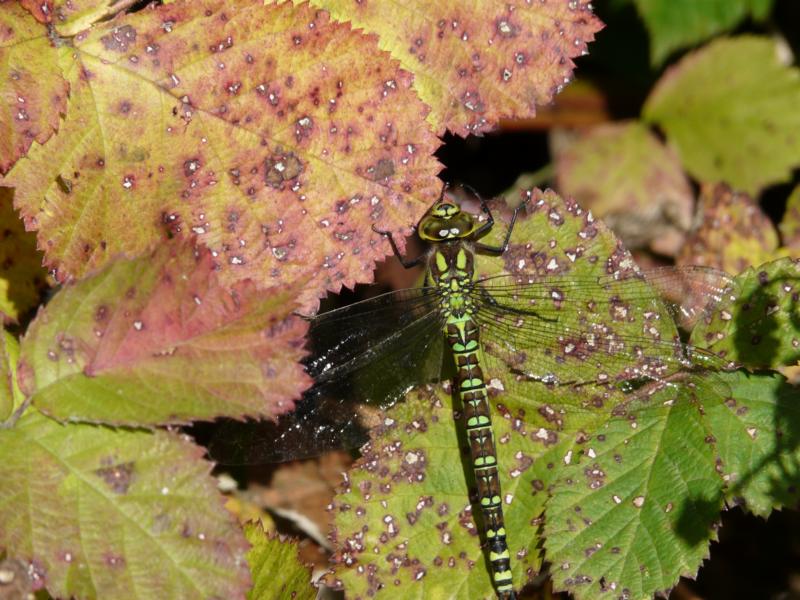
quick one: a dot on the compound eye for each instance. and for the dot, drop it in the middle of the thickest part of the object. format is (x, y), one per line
(434, 230)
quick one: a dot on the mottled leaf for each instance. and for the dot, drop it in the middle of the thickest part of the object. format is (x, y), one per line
(636, 510)
(757, 435)
(22, 277)
(730, 109)
(732, 233)
(625, 175)
(72, 16)
(790, 224)
(32, 91)
(159, 340)
(10, 395)
(405, 522)
(676, 24)
(404, 519)
(759, 324)
(249, 128)
(277, 571)
(476, 64)
(111, 513)
(42, 10)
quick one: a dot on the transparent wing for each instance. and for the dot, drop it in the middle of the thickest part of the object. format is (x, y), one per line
(364, 357)
(563, 331)
(573, 331)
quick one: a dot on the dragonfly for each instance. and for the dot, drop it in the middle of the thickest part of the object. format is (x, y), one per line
(462, 326)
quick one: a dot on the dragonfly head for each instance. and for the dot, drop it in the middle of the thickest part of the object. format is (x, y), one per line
(446, 221)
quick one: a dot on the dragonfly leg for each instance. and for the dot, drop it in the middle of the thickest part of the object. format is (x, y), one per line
(407, 264)
(488, 225)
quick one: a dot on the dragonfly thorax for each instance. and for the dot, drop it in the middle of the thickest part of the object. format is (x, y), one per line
(451, 267)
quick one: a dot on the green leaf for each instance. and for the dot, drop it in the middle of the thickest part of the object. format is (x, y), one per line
(404, 523)
(276, 568)
(10, 395)
(253, 130)
(635, 510)
(730, 109)
(626, 176)
(641, 464)
(474, 64)
(758, 441)
(159, 339)
(676, 24)
(32, 90)
(732, 234)
(112, 513)
(757, 323)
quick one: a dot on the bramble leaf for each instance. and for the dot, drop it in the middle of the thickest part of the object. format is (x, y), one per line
(627, 484)
(757, 436)
(276, 569)
(250, 129)
(635, 510)
(625, 175)
(22, 277)
(33, 92)
(160, 340)
(72, 16)
(730, 111)
(10, 395)
(733, 232)
(676, 24)
(758, 325)
(113, 513)
(474, 64)
(404, 519)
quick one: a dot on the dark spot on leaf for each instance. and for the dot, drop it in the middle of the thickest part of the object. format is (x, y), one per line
(119, 39)
(191, 166)
(65, 185)
(117, 477)
(281, 167)
(114, 560)
(383, 168)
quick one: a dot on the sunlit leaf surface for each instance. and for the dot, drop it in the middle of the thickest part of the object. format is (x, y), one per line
(608, 460)
(730, 110)
(10, 395)
(476, 62)
(32, 91)
(104, 513)
(277, 572)
(635, 509)
(159, 340)
(252, 129)
(757, 434)
(761, 326)
(72, 16)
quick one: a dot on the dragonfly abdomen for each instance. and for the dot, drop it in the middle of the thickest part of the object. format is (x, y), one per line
(462, 335)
